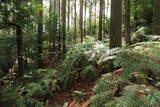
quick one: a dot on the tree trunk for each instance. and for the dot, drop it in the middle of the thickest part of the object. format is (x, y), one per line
(156, 17)
(59, 31)
(64, 25)
(116, 24)
(85, 10)
(81, 20)
(75, 21)
(90, 19)
(135, 15)
(100, 20)
(19, 50)
(127, 21)
(19, 37)
(50, 26)
(54, 26)
(68, 15)
(95, 16)
(104, 16)
(40, 36)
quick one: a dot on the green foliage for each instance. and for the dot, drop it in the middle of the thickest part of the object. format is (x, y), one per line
(103, 85)
(37, 86)
(90, 73)
(142, 9)
(81, 57)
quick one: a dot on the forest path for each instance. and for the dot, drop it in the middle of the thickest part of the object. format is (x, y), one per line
(61, 97)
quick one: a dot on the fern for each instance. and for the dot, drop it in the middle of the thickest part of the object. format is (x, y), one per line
(99, 99)
(103, 85)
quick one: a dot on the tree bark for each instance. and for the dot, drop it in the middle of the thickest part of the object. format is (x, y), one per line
(68, 15)
(81, 20)
(19, 50)
(40, 36)
(59, 31)
(85, 10)
(19, 37)
(75, 21)
(64, 25)
(103, 20)
(90, 19)
(100, 20)
(127, 21)
(116, 24)
(156, 17)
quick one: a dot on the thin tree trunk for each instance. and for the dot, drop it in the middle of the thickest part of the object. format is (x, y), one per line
(100, 20)
(135, 15)
(50, 26)
(104, 22)
(59, 32)
(81, 20)
(85, 10)
(75, 21)
(19, 50)
(95, 15)
(127, 21)
(64, 25)
(68, 15)
(90, 19)
(19, 37)
(116, 24)
(156, 17)
(40, 36)
(54, 26)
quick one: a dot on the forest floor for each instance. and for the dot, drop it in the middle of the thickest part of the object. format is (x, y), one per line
(61, 97)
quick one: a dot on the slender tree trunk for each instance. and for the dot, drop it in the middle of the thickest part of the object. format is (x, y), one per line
(100, 20)
(90, 19)
(127, 21)
(59, 31)
(95, 16)
(85, 10)
(68, 15)
(50, 26)
(75, 21)
(19, 37)
(19, 50)
(40, 36)
(156, 17)
(64, 25)
(135, 16)
(104, 16)
(116, 24)
(81, 20)
(54, 26)
(50, 13)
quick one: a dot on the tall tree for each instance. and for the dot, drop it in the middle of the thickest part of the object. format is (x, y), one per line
(68, 15)
(81, 20)
(90, 17)
(50, 16)
(64, 25)
(127, 21)
(75, 20)
(40, 35)
(85, 13)
(156, 17)
(116, 24)
(95, 2)
(59, 30)
(100, 20)
(54, 24)
(104, 16)
(19, 37)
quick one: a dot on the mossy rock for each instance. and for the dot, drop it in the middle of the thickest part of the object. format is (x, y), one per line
(90, 73)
